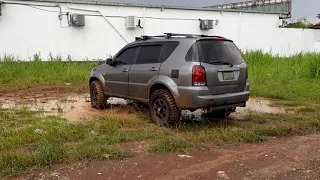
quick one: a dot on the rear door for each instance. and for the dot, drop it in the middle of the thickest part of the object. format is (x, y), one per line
(145, 69)
(224, 65)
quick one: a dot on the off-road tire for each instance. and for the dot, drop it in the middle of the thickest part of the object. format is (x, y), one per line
(172, 118)
(101, 100)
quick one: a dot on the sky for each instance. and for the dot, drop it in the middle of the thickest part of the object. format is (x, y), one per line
(300, 8)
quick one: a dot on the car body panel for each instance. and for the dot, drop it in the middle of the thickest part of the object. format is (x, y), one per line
(175, 73)
(139, 78)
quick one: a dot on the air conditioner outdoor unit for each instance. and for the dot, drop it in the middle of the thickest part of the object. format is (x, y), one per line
(78, 20)
(206, 24)
(132, 22)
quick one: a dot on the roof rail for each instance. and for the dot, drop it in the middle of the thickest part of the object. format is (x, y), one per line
(169, 35)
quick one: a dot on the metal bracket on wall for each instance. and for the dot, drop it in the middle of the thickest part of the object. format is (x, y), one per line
(0, 8)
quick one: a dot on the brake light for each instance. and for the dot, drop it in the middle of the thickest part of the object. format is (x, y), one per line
(198, 76)
(219, 39)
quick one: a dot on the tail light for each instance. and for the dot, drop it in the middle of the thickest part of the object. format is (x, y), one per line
(198, 76)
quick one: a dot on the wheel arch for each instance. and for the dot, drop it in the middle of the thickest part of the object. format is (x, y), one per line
(163, 82)
(98, 77)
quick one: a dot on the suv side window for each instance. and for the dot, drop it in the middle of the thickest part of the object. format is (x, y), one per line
(168, 49)
(192, 55)
(126, 57)
(149, 54)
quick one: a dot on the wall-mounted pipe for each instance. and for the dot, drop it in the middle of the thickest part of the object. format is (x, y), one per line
(34, 5)
(144, 21)
(97, 11)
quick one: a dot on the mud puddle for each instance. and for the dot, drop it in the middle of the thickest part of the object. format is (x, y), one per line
(76, 107)
(73, 107)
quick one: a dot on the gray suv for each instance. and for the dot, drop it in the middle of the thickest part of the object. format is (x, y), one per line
(174, 72)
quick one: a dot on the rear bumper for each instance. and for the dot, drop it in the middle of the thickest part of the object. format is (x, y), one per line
(200, 97)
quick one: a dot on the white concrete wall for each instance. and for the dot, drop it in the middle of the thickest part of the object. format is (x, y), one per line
(25, 31)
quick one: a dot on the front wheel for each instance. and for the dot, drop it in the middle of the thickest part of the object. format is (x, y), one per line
(98, 99)
(163, 109)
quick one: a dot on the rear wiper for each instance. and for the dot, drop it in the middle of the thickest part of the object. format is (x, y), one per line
(222, 62)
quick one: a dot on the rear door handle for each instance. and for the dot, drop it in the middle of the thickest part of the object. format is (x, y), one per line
(125, 70)
(154, 69)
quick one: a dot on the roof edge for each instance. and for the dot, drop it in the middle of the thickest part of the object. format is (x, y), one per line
(145, 5)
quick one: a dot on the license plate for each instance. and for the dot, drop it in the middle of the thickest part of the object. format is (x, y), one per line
(228, 75)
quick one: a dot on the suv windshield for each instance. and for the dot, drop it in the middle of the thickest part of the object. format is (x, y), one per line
(219, 52)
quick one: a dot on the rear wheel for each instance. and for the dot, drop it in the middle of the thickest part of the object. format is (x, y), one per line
(98, 99)
(163, 109)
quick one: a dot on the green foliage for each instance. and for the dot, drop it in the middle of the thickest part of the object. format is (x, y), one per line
(293, 78)
(22, 148)
(290, 78)
(38, 73)
(301, 24)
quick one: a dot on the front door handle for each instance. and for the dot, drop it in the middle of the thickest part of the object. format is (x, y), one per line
(125, 70)
(154, 69)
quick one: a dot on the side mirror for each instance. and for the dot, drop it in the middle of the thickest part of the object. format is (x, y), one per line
(109, 61)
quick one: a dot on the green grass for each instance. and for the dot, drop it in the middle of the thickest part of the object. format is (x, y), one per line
(53, 73)
(294, 78)
(22, 149)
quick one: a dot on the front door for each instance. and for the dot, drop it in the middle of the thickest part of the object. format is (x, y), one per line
(117, 77)
(145, 69)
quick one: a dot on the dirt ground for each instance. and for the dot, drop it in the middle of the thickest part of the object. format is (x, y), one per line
(280, 158)
(76, 107)
(284, 158)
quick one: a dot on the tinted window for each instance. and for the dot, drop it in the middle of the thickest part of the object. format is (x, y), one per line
(214, 51)
(149, 54)
(192, 55)
(168, 49)
(126, 57)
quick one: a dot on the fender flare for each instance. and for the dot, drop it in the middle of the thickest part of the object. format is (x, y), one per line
(169, 84)
(100, 78)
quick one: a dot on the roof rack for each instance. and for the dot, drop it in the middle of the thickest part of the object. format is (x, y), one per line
(190, 35)
(169, 35)
(148, 37)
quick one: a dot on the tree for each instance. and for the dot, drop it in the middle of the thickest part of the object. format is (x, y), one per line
(300, 23)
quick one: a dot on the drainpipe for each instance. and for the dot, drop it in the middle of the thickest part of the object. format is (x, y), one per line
(239, 29)
(97, 11)
(144, 20)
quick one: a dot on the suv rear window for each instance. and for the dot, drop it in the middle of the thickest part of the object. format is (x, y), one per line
(211, 51)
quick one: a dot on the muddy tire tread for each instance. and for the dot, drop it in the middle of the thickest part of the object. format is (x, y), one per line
(101, 98)
(174, 112)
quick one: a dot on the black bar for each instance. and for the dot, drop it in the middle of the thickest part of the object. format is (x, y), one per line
(175, 34)
(0, 8)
